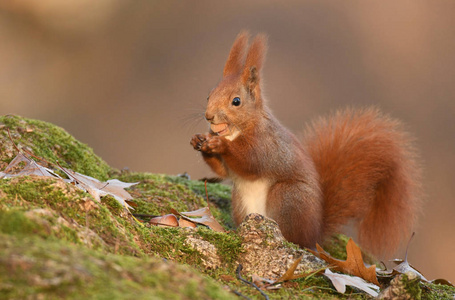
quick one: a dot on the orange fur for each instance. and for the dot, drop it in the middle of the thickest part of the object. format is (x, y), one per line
(368, 172)
(355, 165)
(234, 62)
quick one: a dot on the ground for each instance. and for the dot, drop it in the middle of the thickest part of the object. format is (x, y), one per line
(57, 241)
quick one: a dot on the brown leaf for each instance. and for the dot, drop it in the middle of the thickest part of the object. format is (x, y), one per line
(264, 283)
(205, 218)
(186, 224)
(442, 281)
(166, 220)
(289, 274)
(353, 265)
(131, 203)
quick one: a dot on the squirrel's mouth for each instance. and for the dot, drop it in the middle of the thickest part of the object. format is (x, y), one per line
(220, 129)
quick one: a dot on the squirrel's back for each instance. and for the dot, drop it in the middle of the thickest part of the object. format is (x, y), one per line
(368, 172)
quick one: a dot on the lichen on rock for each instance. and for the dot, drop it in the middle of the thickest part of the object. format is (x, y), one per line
(266, 253)
(209, 256)
(403, 287)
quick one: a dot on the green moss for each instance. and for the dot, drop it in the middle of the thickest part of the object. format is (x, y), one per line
(113, 205)
(31, 268)
(336, 246)
(16, 223)
(228, 245)
(116, 231)
(51, 143)
(56, 242)
(432, 291)
(413, 287)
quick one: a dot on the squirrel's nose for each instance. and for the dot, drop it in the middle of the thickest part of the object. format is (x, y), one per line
(208, 116)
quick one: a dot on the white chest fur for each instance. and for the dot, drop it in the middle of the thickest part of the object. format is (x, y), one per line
(252, 194)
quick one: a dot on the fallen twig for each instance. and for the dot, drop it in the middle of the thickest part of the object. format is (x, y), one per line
(238, 270)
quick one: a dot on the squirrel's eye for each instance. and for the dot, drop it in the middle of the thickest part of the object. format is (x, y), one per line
(236, 101)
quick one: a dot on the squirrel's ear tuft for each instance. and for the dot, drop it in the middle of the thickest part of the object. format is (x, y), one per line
(254, 61)
(235, 61)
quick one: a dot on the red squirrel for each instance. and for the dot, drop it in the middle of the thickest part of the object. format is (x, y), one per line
(355, 165)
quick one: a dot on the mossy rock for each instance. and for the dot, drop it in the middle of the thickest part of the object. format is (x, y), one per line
(57, 242)
(51, 143)
(33, 268)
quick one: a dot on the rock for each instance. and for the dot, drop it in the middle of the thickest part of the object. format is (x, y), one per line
(403, 287)
(210, 258)
(266, 253)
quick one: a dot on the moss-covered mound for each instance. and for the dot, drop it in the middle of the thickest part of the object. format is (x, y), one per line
(51, 143)
(57, 242)
(33, 268)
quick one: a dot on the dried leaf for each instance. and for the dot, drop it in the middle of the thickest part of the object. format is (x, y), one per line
(99, 189)
(353, 265)
(442, 281)
(22, 165)
(166, 220)
(197, 213)
(403, 266)
(205, 217)
(264, 283)
(289, 274)
(131, 203)
(340, 281)
(186, 224)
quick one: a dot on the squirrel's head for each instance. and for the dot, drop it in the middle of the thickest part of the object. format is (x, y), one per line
(234, 104)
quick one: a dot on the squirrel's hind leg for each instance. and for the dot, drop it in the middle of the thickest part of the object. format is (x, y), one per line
(297, 208)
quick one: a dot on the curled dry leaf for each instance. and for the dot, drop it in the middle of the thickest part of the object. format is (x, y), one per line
(186, 224)
(403, 266)
(353, 265)
(264, 283)
(166, 220)
(99, 189)
(201, 216)
(289, 274)
(22, 165)
(442, 281)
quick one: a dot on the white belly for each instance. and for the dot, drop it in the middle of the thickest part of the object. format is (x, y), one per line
(253, 195)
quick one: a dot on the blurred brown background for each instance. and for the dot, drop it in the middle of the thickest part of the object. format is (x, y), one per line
(129, 77)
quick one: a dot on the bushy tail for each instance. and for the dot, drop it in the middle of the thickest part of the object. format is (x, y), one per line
(368, 173)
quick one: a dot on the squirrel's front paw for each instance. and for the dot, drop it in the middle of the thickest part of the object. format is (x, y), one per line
(197, 140)
(214, 145)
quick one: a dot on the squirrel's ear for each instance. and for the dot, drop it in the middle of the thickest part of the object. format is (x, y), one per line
(254, 61)
(234, 63)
